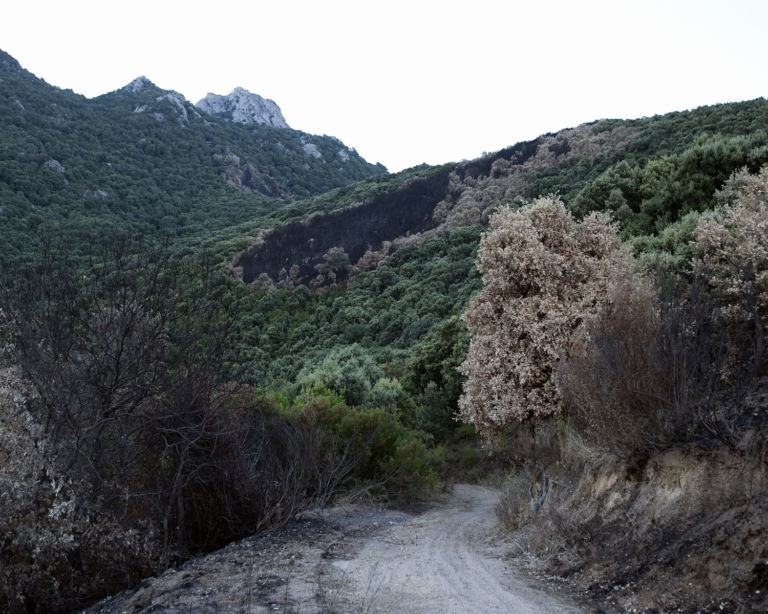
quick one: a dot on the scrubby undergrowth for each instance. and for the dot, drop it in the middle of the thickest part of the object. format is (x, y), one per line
(649, 488)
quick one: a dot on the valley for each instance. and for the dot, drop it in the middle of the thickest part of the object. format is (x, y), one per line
(242, 367)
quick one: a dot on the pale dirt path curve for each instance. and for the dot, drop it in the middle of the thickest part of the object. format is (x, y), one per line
(353, 559)
(443, 561)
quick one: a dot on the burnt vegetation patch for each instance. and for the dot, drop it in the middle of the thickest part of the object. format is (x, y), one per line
(298, 251)
(355, 230)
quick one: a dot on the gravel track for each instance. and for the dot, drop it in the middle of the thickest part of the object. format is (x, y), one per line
(354, 558)
(444, 561)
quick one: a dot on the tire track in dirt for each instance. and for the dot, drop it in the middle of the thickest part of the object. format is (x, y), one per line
(442, 561)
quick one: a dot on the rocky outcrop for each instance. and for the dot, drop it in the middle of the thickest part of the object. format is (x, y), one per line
(54, 165)
(167, 104)
(241, 106)
(179, 105)
(245, 177)
(137, 85)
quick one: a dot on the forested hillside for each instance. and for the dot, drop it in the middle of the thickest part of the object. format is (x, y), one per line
(145, 161)
(207, 326)
(654, 175)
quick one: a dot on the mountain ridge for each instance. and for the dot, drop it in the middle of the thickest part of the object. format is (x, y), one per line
(463, 194)
(156, 162)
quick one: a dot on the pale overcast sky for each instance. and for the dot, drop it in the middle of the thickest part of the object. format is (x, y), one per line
(406, 82)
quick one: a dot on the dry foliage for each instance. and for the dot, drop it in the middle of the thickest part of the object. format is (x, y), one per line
(614, 381)
(651, 370)
(544, 274)
(734, 245)
(648, 371)
(58, 549)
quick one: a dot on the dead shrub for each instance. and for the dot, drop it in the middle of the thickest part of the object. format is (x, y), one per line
(651, 370)
(613, 380)
(523, 496)
(544, 274)
(59, 548)
(231, 470)
(513, 509)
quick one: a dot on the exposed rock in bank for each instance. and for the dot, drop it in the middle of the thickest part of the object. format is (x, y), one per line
(687, 530)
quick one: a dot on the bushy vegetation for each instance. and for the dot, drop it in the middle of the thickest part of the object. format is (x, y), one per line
(154, 407)
(386, 312)
(131, 442)
(646, 199)
(544, 274)
(647, 139)
(732, 245)
(637, 361)
(658, 454)
(665, 354)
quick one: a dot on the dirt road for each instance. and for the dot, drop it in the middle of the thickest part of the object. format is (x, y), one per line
(442, 561)
(355, 559)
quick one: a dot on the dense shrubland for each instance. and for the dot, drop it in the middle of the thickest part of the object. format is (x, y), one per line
(656, 453)
(154, 408)
(131, 442)
(568, 323)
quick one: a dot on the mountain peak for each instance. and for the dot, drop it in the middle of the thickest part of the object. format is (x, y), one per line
(244, 107)
(137, 85)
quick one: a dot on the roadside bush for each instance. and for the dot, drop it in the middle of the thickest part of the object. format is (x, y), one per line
(522, 497)
(654, 366)
(614, 380)
(733, 246)
(59, 549)
(362, 451)
(544, 274)
(229, 465)
(659, 360)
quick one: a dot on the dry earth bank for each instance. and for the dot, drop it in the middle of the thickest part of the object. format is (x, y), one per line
(685, 533)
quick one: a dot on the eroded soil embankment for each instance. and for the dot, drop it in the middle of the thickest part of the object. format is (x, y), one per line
(686, 533)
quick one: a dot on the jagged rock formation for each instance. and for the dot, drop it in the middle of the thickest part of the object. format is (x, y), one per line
(166, 102)
(137, 85)
(243, 107)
